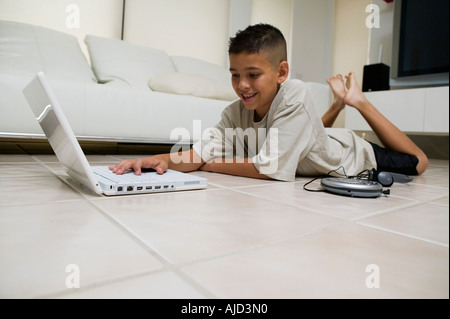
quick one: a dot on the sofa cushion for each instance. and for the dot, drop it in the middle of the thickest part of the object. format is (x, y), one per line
(118, 62)
(27, 49)
(191, 84)
(195, 66)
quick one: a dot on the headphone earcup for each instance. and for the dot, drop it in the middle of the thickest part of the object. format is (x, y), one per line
(385, 179)
(372, 175)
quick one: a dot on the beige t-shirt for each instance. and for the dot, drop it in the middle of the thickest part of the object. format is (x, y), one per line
(291, 139)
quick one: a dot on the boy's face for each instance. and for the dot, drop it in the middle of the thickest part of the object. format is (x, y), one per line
(256, 81)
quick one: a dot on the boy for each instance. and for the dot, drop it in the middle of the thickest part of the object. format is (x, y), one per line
(285, 135)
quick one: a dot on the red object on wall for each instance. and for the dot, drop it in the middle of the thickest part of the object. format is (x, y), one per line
(388, 1)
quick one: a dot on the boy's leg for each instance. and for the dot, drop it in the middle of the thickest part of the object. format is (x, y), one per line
(337, 86)
(388, 133)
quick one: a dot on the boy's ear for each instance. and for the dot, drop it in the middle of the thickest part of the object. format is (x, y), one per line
(283, 72)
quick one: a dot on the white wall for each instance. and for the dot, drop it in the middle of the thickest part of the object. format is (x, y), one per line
(351, 41)
(248, 12)
(351, 37)
(240, 16)
(277, 13)
(196, 28)
(76, 17)
(312, 38)
(382, 36)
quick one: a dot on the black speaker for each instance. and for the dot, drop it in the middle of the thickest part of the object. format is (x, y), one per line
(376, 77)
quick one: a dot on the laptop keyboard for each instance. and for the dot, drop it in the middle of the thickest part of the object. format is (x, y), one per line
(127, 178)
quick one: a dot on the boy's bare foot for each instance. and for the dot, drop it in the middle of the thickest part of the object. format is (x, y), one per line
(354, 97)
(337, 86)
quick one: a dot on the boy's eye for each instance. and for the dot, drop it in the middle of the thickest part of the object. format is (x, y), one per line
(254, 75)
(234, 75)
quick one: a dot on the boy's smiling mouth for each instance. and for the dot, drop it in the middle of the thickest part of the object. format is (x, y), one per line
(248, 97)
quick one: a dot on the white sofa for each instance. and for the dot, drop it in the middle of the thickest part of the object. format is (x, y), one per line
(130, 94)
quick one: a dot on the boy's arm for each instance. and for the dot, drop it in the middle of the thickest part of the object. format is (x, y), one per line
(238, 167)
(186, 161)
(330, 116)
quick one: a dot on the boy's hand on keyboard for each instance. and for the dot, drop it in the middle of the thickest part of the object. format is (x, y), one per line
(158, 163)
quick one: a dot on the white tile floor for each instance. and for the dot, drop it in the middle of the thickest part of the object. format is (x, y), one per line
(240, 238)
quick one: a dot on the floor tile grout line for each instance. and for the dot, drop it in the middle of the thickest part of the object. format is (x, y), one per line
(261, 245)
(431, 186)
(111, 219)
(388, 210)
(60, 177)
(16, 163)
(194, 283)
(37, 160)
(177, 268)
(407, 205)
(154, 253)
(312, 232)
(358, 221)
(292, 205)
(166, 264)
(437, 197)
(136, 238)
(43, 203)
(248, 186)
(120, 279)
(381, 212)
(433, 202)
(403, 234)
(102, 283)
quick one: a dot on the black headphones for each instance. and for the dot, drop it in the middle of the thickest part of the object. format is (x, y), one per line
(386, 179)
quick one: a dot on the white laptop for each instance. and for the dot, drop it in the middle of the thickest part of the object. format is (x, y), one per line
(100, 179)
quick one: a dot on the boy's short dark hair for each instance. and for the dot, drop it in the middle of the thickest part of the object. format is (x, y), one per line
(260, 38)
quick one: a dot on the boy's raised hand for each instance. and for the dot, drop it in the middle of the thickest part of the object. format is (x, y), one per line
(158, 163)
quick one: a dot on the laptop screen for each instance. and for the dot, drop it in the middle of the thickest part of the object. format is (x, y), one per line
(49, 114)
